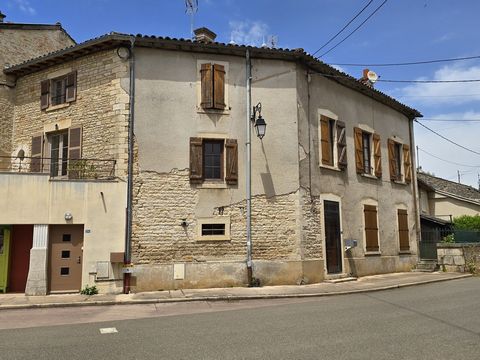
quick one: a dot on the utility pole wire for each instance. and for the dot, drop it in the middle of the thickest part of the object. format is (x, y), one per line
(401, 81)
(448, 161)
(413, 62)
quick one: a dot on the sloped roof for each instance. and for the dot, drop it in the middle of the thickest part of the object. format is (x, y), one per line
(113, 39)
(36, 27)
(447, 187)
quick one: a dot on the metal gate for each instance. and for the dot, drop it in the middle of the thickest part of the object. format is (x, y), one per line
(428, 243)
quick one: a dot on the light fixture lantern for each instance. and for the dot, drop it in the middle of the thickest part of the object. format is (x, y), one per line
(260, 127)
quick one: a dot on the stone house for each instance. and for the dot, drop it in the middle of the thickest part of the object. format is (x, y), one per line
(333, 192)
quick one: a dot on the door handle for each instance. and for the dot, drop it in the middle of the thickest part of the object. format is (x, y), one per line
(79, 260)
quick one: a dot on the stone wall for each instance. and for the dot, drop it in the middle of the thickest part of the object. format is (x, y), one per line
(6, 124)
(459, 257)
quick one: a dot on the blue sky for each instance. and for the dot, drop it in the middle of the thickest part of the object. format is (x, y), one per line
(401, 31)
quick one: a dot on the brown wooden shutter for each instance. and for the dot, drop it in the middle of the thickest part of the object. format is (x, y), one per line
(403, 230)
(231, 147)
(36, 154)
(44, 94)
(377, 155)
(371, 227)
(196, 160)
(391, 160)
(341, 145)
(358, 139)
(325, 141)
(407, 164)
(71, 87)
(75, 143)
(206, 77)
(219, 86)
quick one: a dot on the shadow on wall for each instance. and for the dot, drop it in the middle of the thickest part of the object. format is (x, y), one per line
(351, 263)
(267, 180)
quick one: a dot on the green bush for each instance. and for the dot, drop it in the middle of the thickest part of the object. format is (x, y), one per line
(449, 239)
(89, 290)
(467, 222)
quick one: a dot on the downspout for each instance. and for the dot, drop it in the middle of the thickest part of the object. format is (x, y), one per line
(415, 186)
(131, 122)
(248, 163)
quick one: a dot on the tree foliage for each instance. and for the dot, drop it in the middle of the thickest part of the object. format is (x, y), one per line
(467, 222)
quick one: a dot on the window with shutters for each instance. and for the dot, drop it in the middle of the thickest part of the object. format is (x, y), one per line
(371, 228)
(57, 91)
(333, 143)
(400, 163)
(403, 233)
(213, 92)
(368, 157)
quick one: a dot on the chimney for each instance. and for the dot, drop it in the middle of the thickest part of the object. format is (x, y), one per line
(2, 16)
(204, 35)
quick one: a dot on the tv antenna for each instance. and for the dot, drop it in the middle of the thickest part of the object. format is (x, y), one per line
(191, 9)
(272, 41)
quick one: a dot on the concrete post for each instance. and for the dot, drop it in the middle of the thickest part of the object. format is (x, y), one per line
(37, 274)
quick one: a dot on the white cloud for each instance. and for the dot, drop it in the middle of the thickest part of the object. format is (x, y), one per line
(25, 6)
(443, 38)
(248, 32)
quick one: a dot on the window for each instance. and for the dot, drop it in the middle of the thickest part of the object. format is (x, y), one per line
(213, 229)
(368, 156)
(64, 271)
(65, 254)
(371, 227)
(212, 78)
(399, 161)
(67, 237)
(333, 148)
(213, 160)
(403, 230)
(58, 144)
(58, 91)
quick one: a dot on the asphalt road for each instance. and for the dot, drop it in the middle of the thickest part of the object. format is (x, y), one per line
(436, 321)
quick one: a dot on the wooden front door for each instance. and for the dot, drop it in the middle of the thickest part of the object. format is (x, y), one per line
(65, 257)
(21, 243)
(333, 242)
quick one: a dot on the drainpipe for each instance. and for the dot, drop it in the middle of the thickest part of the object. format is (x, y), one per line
(415, 186)
(131, 122)
(248, 162)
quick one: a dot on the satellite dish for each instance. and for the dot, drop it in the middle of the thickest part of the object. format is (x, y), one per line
(372, 76)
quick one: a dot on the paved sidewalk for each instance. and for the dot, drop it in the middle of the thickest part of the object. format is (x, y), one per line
(364, 284)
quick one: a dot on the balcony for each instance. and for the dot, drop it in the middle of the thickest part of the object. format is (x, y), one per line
(60, 169)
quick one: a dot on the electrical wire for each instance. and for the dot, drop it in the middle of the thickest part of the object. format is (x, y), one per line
(339, 32)
(438, 96)
(354, 30)
(402, 81)
(452, 120)
(447, 139)
(448, 161)
(413, 62)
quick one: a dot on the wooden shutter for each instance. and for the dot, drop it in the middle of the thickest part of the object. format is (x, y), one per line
(207, 86)
(371, 227)
(377, 155)
(231, 147)
(219, 86)
(75, 143)
(71, 87)
(403, 230)
(341, 145)
(391, 160)
(325, 141)
(407, 163)
(358, 139)
(44, 94)
(37, 153)
(196, 160)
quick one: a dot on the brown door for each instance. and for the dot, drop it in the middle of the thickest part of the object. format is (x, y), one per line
(21, 241)
(66, 242)
(332, 237)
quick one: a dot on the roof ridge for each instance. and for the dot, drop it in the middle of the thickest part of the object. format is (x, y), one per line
(450, 181)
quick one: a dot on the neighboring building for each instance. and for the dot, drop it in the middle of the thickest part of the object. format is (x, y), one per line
(335, 164)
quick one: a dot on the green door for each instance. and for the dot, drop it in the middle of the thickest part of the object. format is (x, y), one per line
(4, 252)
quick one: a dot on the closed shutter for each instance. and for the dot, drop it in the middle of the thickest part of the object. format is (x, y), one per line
(403, 230)
(377, 155)
(391, 160)
(325, 141)
(341, 145)
(37, 153)
(74, 152)
(231, 147)
(357, 133)
(196, 160)
(371, 227)
(71, 87)
(219, 86)
(206, 78)
(407, 163)
(44, 94)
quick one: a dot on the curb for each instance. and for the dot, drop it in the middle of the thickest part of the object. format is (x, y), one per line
(225, 297)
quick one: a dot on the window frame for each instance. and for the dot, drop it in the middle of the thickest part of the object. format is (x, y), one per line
(222, 159)
(225, 220)
(332, 135)
(364, 230)
(371, 160)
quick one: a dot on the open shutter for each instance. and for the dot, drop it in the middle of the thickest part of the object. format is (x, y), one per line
(407, 163)
(207, 86)
(231, 147)
(391, 160)
(377, 155)
(371, 227)
(325, 141)
(357, 132)
(44, 94)
(37, 153)
(403, 230)
(74, 152)
(196, 160)
(219, 86)
(341, 145)
(71, 87)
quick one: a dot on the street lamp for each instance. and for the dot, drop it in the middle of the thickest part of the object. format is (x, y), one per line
(260, 124)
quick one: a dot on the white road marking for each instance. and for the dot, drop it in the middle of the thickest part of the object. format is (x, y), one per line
(108, 330)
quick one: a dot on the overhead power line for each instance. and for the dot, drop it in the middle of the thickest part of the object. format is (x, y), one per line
(452, 120)
(447, 139)
(340, 31)
(438, 96)
(354, 30)
(412, 62)
(448, 161)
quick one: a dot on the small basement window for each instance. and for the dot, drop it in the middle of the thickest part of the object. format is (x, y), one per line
(214, 228)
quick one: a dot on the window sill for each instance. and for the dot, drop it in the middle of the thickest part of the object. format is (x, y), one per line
(399, 182)
(373, 253)
(213, 185)
(334, 168)
(57, 107)
(213, 238)
(225, 111)
(404, 252)
(369, 176)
